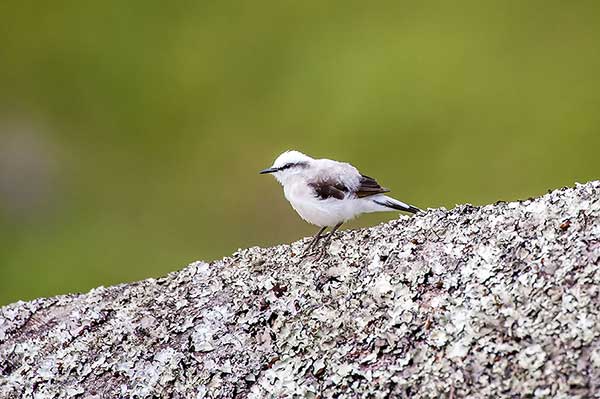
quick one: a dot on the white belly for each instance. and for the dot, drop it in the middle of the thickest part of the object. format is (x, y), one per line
(319, 212)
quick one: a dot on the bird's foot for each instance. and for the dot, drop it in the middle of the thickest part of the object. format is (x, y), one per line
(309, 250)
(323, 252)
(314, 251)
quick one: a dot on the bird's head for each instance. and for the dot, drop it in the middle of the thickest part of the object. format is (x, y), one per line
(288, 164)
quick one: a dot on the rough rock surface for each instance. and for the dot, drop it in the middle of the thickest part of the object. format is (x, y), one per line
(494, 301)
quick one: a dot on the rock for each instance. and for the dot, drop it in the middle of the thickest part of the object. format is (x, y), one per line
(493, 301)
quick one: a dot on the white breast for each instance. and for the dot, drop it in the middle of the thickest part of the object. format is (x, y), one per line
(321, 213)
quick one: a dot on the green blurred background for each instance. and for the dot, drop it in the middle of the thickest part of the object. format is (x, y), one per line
(131, 132)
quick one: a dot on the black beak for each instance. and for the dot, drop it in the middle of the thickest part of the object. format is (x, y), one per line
(268, 170)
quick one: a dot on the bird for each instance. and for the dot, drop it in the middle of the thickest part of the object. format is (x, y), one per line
(328, 193)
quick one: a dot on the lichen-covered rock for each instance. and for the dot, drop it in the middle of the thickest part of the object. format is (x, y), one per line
(493, 301)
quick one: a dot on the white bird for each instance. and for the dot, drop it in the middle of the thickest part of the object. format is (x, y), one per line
(328, 193)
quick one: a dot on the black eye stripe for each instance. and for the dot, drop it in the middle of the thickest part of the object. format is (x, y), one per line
(290, 165)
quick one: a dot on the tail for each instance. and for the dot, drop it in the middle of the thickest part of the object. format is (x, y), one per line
(392, 203)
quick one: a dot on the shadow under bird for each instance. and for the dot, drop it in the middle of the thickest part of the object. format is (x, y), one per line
(328, 193)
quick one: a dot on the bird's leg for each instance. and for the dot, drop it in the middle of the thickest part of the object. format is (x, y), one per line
(315, 239)
(328, 239)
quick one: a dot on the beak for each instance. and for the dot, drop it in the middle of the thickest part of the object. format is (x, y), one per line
(268, 170)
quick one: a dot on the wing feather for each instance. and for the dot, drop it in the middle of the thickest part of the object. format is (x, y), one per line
(325, 189)
(329, 189)
(369, 186)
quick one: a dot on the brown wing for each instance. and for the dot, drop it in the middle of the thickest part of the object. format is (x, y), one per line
(369, 186)
(328, 189)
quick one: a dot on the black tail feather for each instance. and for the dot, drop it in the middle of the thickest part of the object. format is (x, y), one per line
(393, 205)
